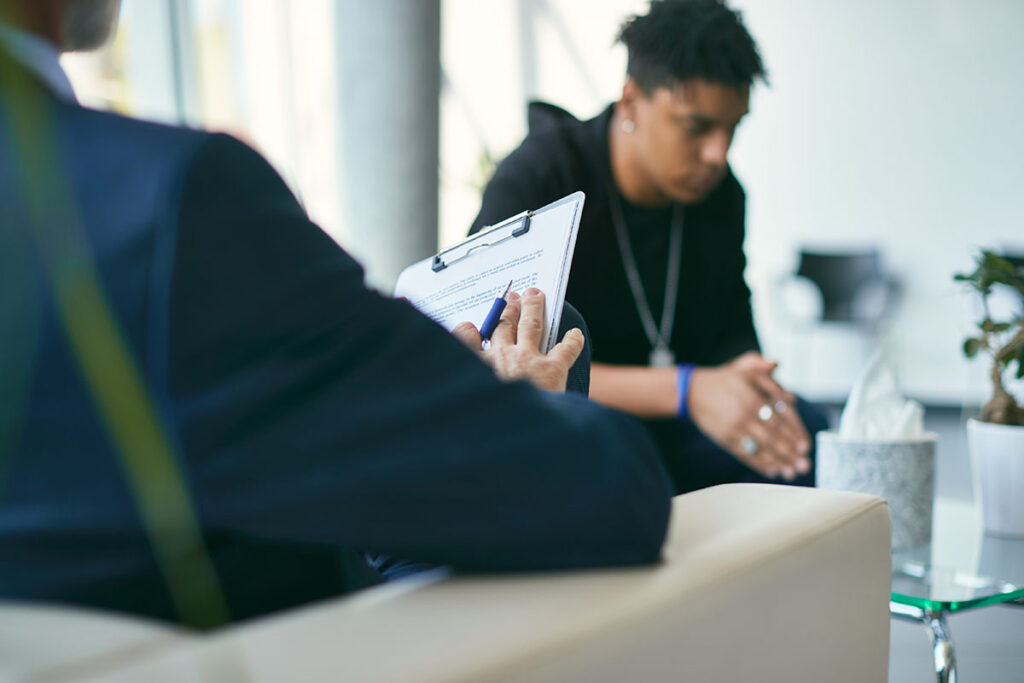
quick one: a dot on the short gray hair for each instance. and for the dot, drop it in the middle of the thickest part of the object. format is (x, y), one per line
(87, 24)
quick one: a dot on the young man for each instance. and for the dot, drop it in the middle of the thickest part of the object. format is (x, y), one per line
(204, 413)
(658, 269)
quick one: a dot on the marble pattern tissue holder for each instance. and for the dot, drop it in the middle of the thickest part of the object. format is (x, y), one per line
(881, 449)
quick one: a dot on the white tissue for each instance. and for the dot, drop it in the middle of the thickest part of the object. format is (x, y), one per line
(876, 409)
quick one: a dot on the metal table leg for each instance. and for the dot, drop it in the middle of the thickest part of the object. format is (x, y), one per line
(942, 643)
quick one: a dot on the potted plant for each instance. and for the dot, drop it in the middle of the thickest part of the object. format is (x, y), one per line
(996, 439)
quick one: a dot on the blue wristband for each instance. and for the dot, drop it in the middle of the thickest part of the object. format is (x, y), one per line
(683, 372)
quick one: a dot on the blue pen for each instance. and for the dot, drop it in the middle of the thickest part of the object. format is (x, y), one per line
(497, 308)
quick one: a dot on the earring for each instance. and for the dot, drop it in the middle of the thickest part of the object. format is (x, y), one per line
(628, 126)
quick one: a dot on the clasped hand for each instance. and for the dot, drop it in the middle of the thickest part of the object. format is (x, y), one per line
(744, 410)
(514, 350)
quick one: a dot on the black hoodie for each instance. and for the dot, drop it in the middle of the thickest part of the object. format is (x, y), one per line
(713, 318)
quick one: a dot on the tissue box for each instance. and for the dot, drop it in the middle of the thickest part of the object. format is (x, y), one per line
(901, 471)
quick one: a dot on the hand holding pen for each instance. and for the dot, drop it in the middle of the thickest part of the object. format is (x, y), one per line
(515, 339)
(494, 316)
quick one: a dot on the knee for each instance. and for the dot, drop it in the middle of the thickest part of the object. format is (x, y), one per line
(572, 318)
(579, 373)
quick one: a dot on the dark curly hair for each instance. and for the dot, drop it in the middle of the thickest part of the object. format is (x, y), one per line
(682, 39)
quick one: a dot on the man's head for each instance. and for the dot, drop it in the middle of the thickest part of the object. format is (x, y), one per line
(691, 65)
(71, 25)
(87, 24)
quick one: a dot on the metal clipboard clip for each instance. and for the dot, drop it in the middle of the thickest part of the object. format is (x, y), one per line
(440, 261)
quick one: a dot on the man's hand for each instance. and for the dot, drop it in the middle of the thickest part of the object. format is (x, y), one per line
(728, 403)
(514, 350)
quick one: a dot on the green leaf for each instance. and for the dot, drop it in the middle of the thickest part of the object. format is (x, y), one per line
(992, 327)
(998, 270)
(992, 269)
(972, 346)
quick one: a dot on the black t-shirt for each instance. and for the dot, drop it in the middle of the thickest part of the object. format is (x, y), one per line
(713, 319)
(649, 231)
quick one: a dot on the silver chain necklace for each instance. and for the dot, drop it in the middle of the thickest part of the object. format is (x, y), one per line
(658, 336)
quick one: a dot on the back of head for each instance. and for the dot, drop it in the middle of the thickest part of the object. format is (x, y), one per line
(679, 40)
(71, 25)
(87, 24)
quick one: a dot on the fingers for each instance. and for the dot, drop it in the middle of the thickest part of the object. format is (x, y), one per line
(784, 418)
(773, 456)
(784, 414)
(770, 388)
(790, 446)
(762, 459)
(790, 424)
(568, 350)
(468, 334)
(752, 361)
(783, 443)
(531, 320)
(745, 411)
(505, 333)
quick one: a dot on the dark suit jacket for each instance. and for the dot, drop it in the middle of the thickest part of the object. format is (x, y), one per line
(310, 416)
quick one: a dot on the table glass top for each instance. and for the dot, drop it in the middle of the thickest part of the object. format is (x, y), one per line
(963, 567)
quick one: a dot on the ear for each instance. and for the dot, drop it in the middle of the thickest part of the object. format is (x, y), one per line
(627, 105)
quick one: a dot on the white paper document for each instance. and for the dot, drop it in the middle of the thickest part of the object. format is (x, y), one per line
(532, 250)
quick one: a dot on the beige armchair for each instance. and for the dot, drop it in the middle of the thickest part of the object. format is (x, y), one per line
(758, 583)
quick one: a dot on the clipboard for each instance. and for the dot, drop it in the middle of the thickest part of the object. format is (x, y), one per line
(532, 249)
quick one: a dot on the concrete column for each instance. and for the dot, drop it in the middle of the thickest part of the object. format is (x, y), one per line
(527, 15)
(388, 65)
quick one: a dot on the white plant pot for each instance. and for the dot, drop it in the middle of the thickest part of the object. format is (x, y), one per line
(997, 459)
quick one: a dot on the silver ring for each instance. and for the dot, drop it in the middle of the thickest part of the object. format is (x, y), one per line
(781, 406)
(748, 445)
(765, 412)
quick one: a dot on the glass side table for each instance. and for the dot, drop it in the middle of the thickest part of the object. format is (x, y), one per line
(962, 569)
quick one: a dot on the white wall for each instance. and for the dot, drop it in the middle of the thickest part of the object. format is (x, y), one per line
(888, 122)
(893, 123)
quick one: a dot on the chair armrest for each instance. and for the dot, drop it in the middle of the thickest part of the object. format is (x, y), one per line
(758, 582)
(45, 642)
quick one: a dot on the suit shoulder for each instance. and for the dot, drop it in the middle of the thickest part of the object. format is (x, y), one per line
(128, 132)
(183, 160)
(224, 165)
(166, 142)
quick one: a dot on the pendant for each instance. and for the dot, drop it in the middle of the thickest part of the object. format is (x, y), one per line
(662, 357)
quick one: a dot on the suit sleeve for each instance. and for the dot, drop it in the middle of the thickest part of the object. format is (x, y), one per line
(315, 411)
